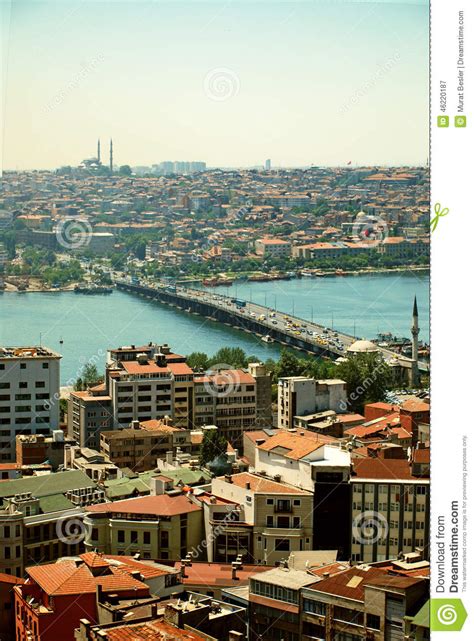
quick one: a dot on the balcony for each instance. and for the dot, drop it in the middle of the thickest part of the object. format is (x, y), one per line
(283, 508)
(284, 532)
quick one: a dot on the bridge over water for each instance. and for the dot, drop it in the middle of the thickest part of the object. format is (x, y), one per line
(262, 321)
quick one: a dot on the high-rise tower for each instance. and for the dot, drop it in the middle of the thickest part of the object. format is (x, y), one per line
(414, 342)
(111, 157)
(98, 150)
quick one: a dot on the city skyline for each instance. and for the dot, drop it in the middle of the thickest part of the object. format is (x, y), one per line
(216, 82)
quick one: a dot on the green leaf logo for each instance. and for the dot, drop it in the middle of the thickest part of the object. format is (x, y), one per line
(447, 615)
(439, 213)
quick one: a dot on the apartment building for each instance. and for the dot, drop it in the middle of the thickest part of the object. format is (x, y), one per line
(29, 394)
(228, 399)
(391, 496)
(361, 603)
(41, 518)
(96, 465)
(71, 586)
(275, 603)
(273, 247)
(299, 396)
(319, 465)
(149, 383)
(280, 516)
(89, 413)
(263, 394)
(159, 526)
(38, 449)
(140, 446)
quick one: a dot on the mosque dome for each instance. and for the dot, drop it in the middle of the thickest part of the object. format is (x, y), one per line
(362, 346)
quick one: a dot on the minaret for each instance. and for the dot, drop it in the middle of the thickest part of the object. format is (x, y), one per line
(414, 342)
(111, 157)
(98, 150)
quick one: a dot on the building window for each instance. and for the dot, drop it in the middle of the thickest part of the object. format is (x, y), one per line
(282, 545)
(269, 501)
(269, 521)
(315, 607)
(373, 622)
(121, 536)
(133, 536)
(45, 365)
(146, 538)
(164, 539)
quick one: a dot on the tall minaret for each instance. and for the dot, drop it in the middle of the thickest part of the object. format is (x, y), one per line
(414, 342)
(111, 157)
(98, 150)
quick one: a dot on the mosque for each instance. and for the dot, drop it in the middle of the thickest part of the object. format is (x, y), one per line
(405, 370)
(94, 164)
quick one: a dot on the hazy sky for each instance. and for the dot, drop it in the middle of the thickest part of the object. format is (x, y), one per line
(228, 82)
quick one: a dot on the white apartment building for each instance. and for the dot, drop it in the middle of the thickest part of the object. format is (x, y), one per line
(299, 396)
(29, 394)
(275, 519)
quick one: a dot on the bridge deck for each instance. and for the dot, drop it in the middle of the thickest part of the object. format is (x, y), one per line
(264, 321)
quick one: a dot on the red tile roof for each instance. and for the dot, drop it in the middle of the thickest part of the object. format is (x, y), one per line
(421, 455)
(219, 574)
(8, 578)
(227, 378)
(66, 577)
(296, 446)
(378, 468)
(415, 405)
(162, 505)
(350, 584)
(263, 485)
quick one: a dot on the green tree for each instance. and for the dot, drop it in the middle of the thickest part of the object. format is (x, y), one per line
(213, 445)
(367, 376)
(88, 378)
(288, 365)
(198, 360)
(234, 356)
(125, 170)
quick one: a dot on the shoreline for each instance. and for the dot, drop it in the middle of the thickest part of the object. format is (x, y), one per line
(321, 274)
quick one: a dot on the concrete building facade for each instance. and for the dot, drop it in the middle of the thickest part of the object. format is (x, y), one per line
(29, 394)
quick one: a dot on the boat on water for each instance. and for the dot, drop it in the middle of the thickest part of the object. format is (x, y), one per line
(215, 282)
(92, 289)
(268, 339)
